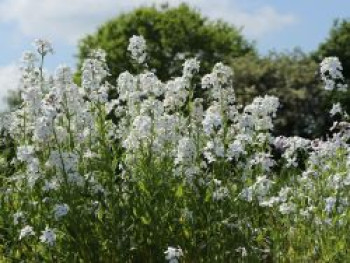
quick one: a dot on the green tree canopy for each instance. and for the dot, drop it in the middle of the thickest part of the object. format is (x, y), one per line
(172, 34)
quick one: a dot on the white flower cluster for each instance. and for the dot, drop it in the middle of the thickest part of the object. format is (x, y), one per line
(26, 231)
(336, 108)
(293, 146)
(190, 67)
(43, 46)
(173, 254)
(331, 74)
(258, 191)
(94, 70)
(48, 236)
(137, 47)
(60, 210)
(186, 151)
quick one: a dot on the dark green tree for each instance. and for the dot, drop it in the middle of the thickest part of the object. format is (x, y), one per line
(172, 35)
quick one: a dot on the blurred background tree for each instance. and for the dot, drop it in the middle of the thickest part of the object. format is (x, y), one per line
(172, 35)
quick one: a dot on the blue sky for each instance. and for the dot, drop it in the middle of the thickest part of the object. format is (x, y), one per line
(274, 24)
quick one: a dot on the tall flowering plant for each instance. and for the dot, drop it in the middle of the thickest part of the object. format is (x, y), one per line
(129, 179)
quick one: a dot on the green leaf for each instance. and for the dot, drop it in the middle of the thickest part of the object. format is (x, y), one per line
(208, 196)
(145, 220)
(143, 188)
(179, 191)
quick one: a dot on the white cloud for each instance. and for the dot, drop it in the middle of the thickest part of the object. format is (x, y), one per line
(56, 19)
(9, 80)
(256, 23)
(67, 20)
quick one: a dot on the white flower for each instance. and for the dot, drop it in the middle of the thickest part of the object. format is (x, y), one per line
(126, 85)
(270, 202)
(220, 193)
(287, 208)
(209, 81)
(94, 70)
(60, 210)
(150, 84)
(173, 254)
(331, 74)
(42, 129)
(17, 217)
(247, 194)
(263, 159)
(262, 185)
(185, 151)
(223, 73)
(25, 153)
(333, 66)
(26, 231)
(190, 67)
(68, 161)
(330, 203)
(50, 185)
(258, 190)
(75, 178)
(292, 146)
(336, 108)
(176, 93)
(137, 47)
(212, 119)
(48, 236)
(142, 125)
(64, 75)
(283, 193)
(258, 114)
(197, 110)
(242, 251)
(43, 46)
(213, 149)
(235, 150)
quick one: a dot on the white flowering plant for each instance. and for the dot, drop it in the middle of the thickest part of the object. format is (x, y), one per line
(129, 179)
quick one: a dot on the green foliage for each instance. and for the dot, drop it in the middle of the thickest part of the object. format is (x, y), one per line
(7, 149)
(172, 35)
(13, 99)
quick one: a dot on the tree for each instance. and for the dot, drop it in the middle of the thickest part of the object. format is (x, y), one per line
(172, 35)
